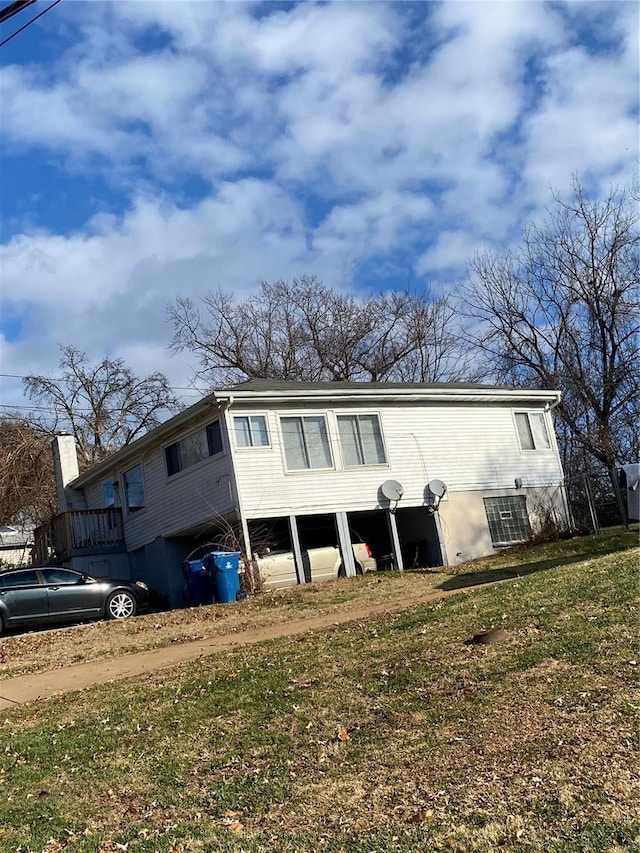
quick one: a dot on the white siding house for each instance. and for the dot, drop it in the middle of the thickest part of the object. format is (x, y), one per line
(293, 459)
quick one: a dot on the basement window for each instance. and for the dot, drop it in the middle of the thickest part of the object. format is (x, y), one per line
(508, 519)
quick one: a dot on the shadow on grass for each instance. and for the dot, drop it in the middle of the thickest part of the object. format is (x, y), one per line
(504, 573)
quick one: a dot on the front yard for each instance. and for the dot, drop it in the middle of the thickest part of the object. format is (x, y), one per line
(386, 734)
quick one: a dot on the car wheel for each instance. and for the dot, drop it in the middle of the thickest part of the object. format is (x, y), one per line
(121, 605)
(1, 625)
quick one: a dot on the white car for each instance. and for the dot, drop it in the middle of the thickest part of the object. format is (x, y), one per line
(278, 568)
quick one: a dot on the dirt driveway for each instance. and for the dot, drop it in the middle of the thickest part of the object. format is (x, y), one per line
(41, 685)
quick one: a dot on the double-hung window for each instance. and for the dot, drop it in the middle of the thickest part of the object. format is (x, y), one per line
(361, 440)
(532, 431)
(306, 442)
(251, 431)
(133, 488)
(194, 448)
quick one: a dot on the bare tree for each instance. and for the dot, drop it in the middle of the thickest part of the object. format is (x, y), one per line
(562, 311)
(27, 484)
(304, 330)
(105, 405)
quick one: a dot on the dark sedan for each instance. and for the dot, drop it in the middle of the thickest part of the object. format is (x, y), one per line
(48, 594)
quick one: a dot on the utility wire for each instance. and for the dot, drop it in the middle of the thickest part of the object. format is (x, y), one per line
(28, 24)
(13, 9)
(59, 379)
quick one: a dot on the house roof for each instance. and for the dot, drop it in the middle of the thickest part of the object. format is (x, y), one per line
(280, 391)
(280, 385)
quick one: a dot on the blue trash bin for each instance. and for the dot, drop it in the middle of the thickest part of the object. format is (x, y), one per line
(223, 567)
(198, 581)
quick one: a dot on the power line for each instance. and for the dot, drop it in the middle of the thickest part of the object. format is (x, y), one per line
(28, 24)
(59, 379)
(13, 9)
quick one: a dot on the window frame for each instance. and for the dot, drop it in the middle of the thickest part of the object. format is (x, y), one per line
(360, 445)
(521, 516)
(114, 487)
(252, 444)
(128, 508)
(210, 437)
(302, 417)
(528, 413)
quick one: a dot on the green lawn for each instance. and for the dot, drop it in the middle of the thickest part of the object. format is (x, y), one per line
(388, 734)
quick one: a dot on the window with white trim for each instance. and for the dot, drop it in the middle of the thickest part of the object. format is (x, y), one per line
(508, 519)
(133, 488)
(306, 442)
(532, 431)
(251, 431)
(192, 449)
(361, 440)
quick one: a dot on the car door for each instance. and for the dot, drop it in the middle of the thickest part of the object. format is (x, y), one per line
(278, 569)
(325, 563)
(23, 598)
(72, 595)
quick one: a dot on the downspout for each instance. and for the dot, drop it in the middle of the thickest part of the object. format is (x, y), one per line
(549, 407)
(235, 491)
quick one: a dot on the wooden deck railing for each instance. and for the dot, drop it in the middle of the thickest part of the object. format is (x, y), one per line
(80, 529)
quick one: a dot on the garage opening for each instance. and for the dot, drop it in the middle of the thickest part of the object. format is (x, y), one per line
(371, 526)
(418, 537)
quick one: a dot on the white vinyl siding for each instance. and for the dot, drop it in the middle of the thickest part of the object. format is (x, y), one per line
(467, 446)
(306, 442)
(532, 431)
(361, 440)
(251, 431)
(191, 498)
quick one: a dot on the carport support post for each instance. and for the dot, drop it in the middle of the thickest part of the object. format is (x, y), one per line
(295, 545)
(443, 550)
(395, 540)
(346, 547)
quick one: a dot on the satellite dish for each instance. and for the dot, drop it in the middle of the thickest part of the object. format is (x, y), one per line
(437, 488)
(392, 490)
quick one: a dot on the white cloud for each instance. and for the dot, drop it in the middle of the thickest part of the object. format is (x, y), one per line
(324, 136)
(587, 121)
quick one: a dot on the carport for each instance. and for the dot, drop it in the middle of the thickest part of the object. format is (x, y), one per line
(408, 537)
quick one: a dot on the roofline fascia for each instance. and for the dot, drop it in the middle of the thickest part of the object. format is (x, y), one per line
(136, 448)
(430, 395)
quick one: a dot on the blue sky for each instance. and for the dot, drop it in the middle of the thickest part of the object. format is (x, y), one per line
(156, 149)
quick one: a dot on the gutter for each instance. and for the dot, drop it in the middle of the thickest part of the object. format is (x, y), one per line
(432, 395)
